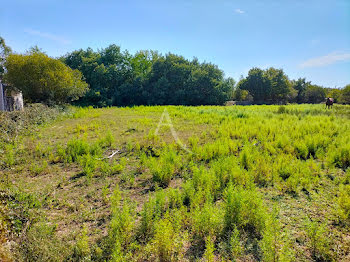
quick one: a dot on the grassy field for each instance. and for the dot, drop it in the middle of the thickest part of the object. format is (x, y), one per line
(255, 183)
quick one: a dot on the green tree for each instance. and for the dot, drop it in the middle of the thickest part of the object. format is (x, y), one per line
(149, 78)
(241, 95)
(105, 71)
(43, 79)
(345, 95)
(300, 86)
(278, 85)
(255, 83)
(4, 52)
(314, 94)
(267, 86)
(335, 94)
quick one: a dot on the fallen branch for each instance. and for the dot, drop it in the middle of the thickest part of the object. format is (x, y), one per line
(112, 155)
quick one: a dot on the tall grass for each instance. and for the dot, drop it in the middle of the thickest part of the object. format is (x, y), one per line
(212, 204)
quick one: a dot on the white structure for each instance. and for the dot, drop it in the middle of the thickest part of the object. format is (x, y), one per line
(10, 100)
(2, 98)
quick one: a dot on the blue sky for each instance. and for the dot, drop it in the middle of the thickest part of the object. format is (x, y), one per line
(306, 38)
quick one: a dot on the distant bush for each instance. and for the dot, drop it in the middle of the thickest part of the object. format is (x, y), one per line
(147, 78)
(282, 110)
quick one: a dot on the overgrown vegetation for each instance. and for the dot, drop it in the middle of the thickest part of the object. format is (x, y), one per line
(259, 183)
(43, 79)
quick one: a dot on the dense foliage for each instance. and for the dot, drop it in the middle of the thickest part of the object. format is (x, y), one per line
(147, 78)
(267, 86)
(4, 51)
(43, 79)
(345, 95)
(272, 86)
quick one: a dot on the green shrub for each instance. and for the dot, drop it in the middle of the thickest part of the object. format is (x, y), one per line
(346, 179)
(121, 227)
(152, 211)
(175, 198)
(75, 148)
(301, 149)
(164, 167)
(9, 156)
(208, 221)
(38, 168)
(246, 159)
(167, 242)
(275, 244)
(341, 156)
(89, 164)
(244, 209)
(282, 110)
(236, 248)
(82, 251)
(209, 250)
(344, 202)
(106, 141)
(206, 181)
(319, 241)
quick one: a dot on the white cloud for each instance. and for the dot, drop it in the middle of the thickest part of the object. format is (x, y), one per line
(49, 36)
(329, 59)
(239, 11)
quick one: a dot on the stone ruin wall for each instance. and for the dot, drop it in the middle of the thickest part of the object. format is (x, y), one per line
(10, 100)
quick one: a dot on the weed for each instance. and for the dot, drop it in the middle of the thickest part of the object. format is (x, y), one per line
(166, 243)
(9, 156)
(82, 250)
(319, 242)
(236, 249)
(209, 250)
(208, 221)
(41, 244)
(344, 202)
(275, 244)
(244, 209)
(341, 156)
(38, 168)
(75, 149)
(121, 227)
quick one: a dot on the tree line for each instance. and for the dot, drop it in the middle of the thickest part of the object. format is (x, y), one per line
(272, 86)
(112, 77)
(148, 78)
